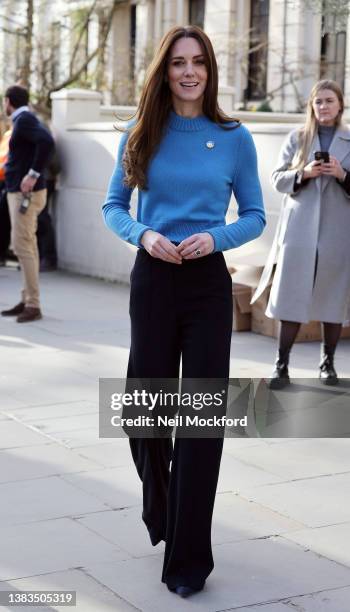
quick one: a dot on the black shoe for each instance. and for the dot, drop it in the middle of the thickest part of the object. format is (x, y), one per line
(15, 311)
(47, 266)
(184, 591)
(327, 373)
(29, 314)
(11, 256)
(280, 375)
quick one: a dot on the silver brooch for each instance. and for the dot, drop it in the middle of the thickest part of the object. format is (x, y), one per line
(210, 144)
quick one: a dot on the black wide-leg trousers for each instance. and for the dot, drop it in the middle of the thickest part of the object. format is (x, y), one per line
(180, 312)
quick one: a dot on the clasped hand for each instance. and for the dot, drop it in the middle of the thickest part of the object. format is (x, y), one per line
(160, 247)
(316, 168)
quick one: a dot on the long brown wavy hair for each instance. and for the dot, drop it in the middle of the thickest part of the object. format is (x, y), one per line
(308, 131)
(156, 102)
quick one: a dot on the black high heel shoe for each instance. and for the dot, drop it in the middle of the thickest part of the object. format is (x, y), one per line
(184, 591)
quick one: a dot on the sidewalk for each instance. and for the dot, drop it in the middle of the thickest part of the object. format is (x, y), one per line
(70, 510)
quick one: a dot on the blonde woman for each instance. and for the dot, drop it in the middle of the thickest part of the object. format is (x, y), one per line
(312, 278)
(186, 157)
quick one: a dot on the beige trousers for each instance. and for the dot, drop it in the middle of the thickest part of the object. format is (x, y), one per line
(24, 242)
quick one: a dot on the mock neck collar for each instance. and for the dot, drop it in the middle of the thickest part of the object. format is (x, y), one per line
(188, 124)
(327, 128)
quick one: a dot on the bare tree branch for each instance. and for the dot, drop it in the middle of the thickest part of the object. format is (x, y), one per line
(82, 31)
(28, 44)
(337, 10)
(75, 76)
(15, 32)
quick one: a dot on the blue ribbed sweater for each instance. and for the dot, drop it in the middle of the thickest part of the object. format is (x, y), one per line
(189, 185)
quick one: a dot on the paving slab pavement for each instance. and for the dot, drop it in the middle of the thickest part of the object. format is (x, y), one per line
(70, 510)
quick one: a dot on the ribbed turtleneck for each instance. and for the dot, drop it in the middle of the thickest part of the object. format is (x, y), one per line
(325, 134)
(188, 124)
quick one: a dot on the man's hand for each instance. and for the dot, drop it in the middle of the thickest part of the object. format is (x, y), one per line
(196, 246)
(160, 247)
(27, 184)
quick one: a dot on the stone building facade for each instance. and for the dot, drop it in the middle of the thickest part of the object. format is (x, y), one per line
(267, 50)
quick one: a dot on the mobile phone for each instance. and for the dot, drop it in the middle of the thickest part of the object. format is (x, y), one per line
(25, 204)
(322, 156)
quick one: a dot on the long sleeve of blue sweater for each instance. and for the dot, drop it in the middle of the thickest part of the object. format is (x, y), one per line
(190, 180)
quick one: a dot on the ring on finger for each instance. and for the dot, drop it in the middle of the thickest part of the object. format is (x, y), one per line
(198, 252)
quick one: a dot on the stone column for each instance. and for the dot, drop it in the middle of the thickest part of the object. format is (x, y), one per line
(293, 55)
(169, 15)
(158, 18)
(241, 49)
(145, 40)
(120, 55)
(220, 24)
(181, 14)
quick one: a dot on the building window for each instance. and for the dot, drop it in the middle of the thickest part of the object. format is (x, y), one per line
(333, 50)
(257, 70)
(196, 12)
(133, 10)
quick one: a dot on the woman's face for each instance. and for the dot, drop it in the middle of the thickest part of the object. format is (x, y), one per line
(187, 73)
(326, 107)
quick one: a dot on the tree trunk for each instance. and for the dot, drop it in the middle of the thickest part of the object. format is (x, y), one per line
(28, 44)
(101, 55)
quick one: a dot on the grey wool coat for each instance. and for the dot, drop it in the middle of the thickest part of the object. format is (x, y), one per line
(312, 242)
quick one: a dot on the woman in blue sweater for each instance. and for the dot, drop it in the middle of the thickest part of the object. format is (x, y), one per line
(186, 157)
